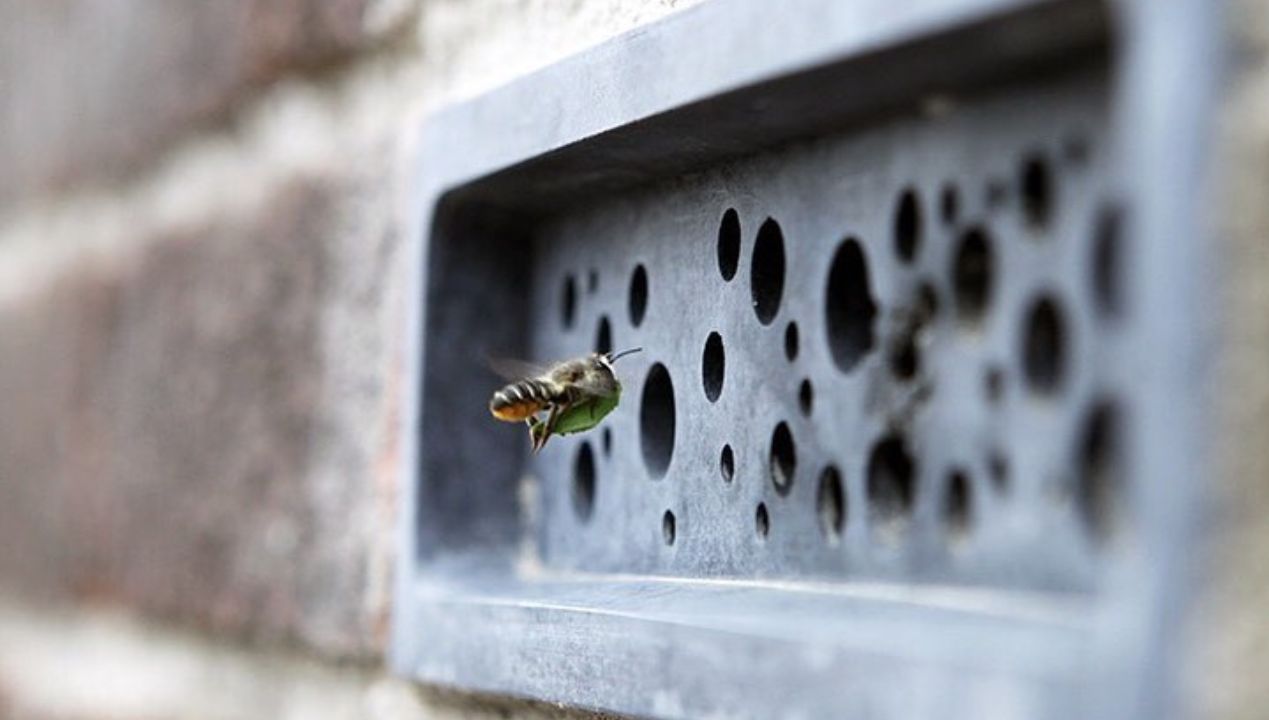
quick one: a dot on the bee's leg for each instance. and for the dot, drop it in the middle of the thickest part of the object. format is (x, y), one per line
(548, 427)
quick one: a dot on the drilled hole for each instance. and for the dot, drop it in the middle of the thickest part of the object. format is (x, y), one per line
(849, 308)
(905, 359)
(907, 226)
(762, 521)
(713, 366)
(729, 244)
(958, 506)
(998, 469)
(783, 459)
(638, 295)
(766, 274)
(994, 384)
(603, 336)
(890, 484)
(667, 527)
(1100, 479)
(1036, 183)
(727, 464)
(791, 342)
(949, 204)
(1107, 262)
(927, 307)
(973, 270)
(1044, 347)
(568, 302)
(584, 482)
(830, 503)
(606, 437)
(806, 398)
(592, 281)
(656, 420)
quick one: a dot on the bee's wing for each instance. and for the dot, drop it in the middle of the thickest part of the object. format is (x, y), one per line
(513, 369)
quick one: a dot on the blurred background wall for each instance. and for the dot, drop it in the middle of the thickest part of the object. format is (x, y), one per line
(201, 317)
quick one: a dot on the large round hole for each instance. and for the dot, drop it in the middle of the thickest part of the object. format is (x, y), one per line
(729, 244)
(958, 506)
(907, 226)
(1107, 262)
(973, 275)
(656, 420)
(638, 295)
(766, 274)
(791, 342)
(568, 302)
(727, 464)
(830, 503)
(806, 398)
(584, 482)
(762, 521)
(713, 366)
(783, 459)
(668, 529)
(890, 484)
(849, 308)
(1044, 347)
(603, 336)
(1100, 470)
(1036, 181)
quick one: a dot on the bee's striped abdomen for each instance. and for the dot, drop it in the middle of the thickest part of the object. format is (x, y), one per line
(521, 400)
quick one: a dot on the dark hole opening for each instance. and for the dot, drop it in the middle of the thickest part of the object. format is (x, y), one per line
(958, 506)
(584, 482)
(603, 337)
(806, 398)
(830, 503)
(638, 295)
(905, 359)
(607, 441)
(949, 204)
(568, 302)
(727, 464)
(791, 342)
(998, 468)
(783, 459)
(1100, 481)
(849, 307)
(766, 274)
(890, 484)
(667, 527)
(713, 366)
(729, 244)
(1107, 262)
(656, 420)
(762, 521)
(907, 226)
(973, 275)
(1044, 347)
(592, 281)
(994, 384)
(1037, 191)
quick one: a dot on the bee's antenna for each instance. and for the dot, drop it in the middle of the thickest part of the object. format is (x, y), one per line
(613, 357)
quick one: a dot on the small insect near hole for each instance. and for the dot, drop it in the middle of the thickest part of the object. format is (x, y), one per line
(584, 482)
(791, 342)
(1036, 182)
(806, 398)
(713, 367)
(656, 420)
(1100, 470)
(890, 486)
(783, 459)
(638, 304)
(568, 302)
(603, 336)
(729, 244)
(958, 507)
(668, 531)
(727, 464)
(830, 504)
(762, 521)
(907, 226)
(606, 437)
(994, 385)
(949, 204)
(973, 275)
(1107, 262)
(848, 306)
(1044, 347)
(766, 274)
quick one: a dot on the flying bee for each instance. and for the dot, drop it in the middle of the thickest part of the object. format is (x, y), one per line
(576, 394)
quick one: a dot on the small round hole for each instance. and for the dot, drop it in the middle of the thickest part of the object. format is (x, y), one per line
(606, 437)
(958, 506)
(729, 244)
(973, 275)
(638, 295)
(907, 226)
(905, 359)
(603, 336)
(849, 308)
(998, 468)
(727, 464)
(766, 273)
(830, 503)
(890, 485)
(1044, 347)
(1100, 470)
(1036, 182)
(994, 385)
(761, 521)
(806, 398)
(949, 204)
(584, 482)
(713, 366)
(592, 281)
(783, 459)
(927, 307)
(667, 527)
(791, 341)
(1107, 262)
(568, 302)
(656, 420)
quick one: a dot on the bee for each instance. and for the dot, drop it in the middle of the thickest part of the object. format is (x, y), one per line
(576, 395)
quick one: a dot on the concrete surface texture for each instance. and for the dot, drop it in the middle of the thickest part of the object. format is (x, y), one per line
(201, 303)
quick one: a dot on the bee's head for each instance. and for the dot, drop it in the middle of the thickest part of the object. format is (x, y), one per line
(603, 377)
